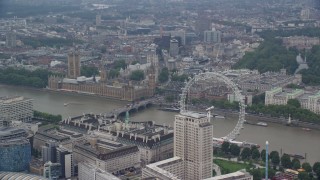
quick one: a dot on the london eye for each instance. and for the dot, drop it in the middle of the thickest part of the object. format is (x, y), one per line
(206, 76)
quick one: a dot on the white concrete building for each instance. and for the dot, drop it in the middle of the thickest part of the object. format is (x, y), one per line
(239, 175)
(192, 150)
(15, 108)
(111, 160)
(308, 100)
(91, 172)
(169, 169)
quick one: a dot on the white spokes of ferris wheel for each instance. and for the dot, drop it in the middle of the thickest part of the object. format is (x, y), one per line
(238, 97)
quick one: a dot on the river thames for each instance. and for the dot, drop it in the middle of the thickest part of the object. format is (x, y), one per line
(290, 139)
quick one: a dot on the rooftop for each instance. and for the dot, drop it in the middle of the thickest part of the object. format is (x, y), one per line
(100, 172)
(193, 114)
(11, 99)
(10, 132)
(157, 167)
(105, 153)
(15, 175)
(235, 175)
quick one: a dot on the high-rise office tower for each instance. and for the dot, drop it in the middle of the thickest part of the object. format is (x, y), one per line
(64, 157)
(193, 143)
(49, 151)
(212, 37)
(98, 20)
(174, 47)
(73, 65)
(11, 40)
(192, 150)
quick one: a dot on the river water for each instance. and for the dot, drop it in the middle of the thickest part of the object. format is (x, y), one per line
(289, 139)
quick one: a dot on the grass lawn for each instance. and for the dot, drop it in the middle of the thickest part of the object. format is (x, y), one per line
(229, 166)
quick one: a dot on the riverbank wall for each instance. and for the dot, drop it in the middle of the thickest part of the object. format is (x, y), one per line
(256, 117)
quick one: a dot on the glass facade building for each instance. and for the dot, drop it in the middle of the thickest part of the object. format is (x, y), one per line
(15, 150)
(15, 156)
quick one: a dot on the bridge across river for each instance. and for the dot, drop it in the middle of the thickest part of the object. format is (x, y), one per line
(134, 107)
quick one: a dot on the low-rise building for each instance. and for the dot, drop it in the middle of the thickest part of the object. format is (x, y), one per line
(239, 175)
(169, 169)
(113, 160)
(36, 167)
(155, 142)
(308, 99)
(15, 108)
(15, 150)
(301, 42)
(52, 171)
(91, 172)
(248, 80)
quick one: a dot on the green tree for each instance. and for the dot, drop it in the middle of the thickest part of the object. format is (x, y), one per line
(255, 154)
(246, 153)
(294, 102)
(89, 71)
(137, 75)
(307, 167)
(303, 176)
(23, 77)
(235, 150)
(270, 56)
(214, 173)
(181, 78)
(169, 98)
(263, 155)
(164, 75)
(275, 158)
(296, 164)
(286, 161)
(311, 76)
(134, 62)
(47, 118)
(316, 168)
(120, 64)
(113, 73)
(225, 147)
(256, 173)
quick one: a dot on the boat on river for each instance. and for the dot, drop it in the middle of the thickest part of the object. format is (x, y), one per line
(297, 156)
(262, 124)
(217, 142)
(219, 117)
(306, 129)
(172, 109)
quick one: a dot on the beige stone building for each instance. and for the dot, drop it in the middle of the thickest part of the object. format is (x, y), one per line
(301, 42)
(127, 92)
(73, 65)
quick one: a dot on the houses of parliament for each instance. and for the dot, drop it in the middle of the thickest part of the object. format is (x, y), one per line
(98, 85)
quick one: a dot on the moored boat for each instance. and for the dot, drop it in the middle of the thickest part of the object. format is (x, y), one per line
(306, 129)
(170, 109)
(219, 117)
(262, 124)
(297, 156)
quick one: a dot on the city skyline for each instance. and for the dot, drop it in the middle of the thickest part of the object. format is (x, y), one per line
(160, 89)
